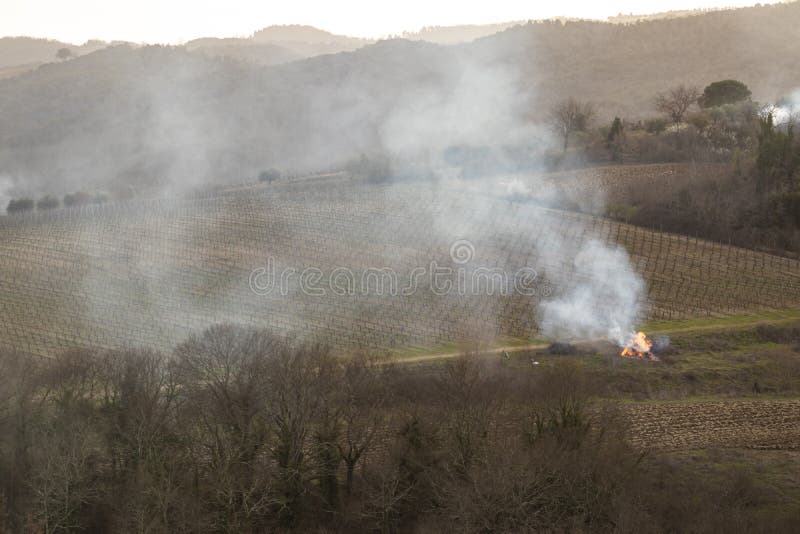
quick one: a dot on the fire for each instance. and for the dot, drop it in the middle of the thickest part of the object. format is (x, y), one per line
(639, 347)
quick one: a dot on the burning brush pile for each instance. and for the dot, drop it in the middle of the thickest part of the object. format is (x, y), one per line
(642, 348)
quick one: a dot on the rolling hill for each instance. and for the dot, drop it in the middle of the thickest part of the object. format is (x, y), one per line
(165, 118)
(19, 55)
(151, 273)
(275, 45)
(17, 51)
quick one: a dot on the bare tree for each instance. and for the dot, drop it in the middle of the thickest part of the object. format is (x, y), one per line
(570, 116)
(362, 414)
(467, 402)
(139, 396)
(223, 373)
(65, 478)
(297, 378)
(560, 398)
(145, 442)
(384, 504)
(676, 102)
(22, 400)
(66, 481)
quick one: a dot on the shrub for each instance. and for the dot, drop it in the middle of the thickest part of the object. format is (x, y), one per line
(622, 212)
(77, 199)
(655, 126)
(269, 175)
(19, 205)
(376, 169)
(724, 92)
(47, 203)
(562, 349)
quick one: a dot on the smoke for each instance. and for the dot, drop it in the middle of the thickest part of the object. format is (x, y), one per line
(455, 123)
(661, 345)
(476, 104)
(605, 302)
(601, 296)
(787, 109)
(516, 188)
(6, 188)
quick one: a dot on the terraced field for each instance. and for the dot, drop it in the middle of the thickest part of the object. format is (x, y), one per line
(153, 272)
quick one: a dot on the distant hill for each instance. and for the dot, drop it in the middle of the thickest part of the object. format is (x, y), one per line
(16, 70)
(245, 50)
(172, 117)
(297, 33)
(632, 18)
(277, 44)
(18, 51)
(458, 34)
(622, 66)
(307, 40)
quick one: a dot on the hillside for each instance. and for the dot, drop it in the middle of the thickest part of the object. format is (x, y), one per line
(277, 44)
(610, 185)
(307, 40)
(458, 34)
(19, 55)
(16, 51)
(622, 66)
(245, 50)
(468, 279)
(169, 119)
(153, 272)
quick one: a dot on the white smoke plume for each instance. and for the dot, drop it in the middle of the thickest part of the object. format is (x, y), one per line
(485, 107)
(788, 109)
(6, 187)
(463, 124)
(605, 303)
(516, 188)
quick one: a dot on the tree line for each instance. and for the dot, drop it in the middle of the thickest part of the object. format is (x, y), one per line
(241, 431)
(49, 202)
(755, 204)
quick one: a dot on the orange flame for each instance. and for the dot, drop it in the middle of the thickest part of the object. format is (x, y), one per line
(639, 347)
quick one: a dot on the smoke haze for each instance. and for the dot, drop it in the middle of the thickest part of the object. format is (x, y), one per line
(455, 127)
(450, 138)
(161, 120)
(606, 304)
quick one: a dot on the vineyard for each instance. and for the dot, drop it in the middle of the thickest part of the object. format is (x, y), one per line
(624, 184)
(152, 272)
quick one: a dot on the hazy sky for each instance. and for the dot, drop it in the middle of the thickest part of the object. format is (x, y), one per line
(172, 21)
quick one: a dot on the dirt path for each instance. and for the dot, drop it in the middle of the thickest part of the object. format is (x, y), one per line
(421, 358)
(746, 323)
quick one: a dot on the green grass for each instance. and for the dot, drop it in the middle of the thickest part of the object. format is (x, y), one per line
(703, 326)
(776, 316)
(447, 349)
(721, 362)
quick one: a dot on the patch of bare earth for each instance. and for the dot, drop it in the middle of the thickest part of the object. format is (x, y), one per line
(753, 424)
